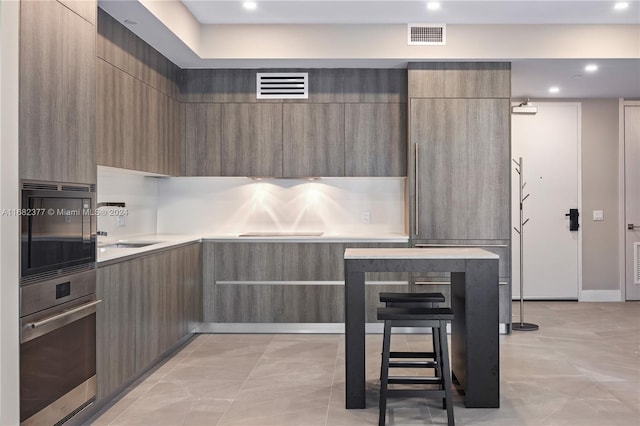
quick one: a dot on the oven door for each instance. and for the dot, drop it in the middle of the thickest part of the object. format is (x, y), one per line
(58, 361)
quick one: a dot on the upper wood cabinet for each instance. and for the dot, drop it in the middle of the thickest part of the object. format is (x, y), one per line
(57, 94)
(251, 140)
(313, 139)
(375, 139)
(138, 120)
(460, 80)
(201, 132)
(461, 175)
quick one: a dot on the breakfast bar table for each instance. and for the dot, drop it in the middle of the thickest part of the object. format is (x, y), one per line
(475, 355)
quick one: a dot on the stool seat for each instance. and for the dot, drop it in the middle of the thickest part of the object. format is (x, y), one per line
(412, 297)
(415, 314)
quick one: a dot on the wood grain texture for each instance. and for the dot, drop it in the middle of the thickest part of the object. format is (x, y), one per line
(84, 8)
(464, 171)
(202, 139)
(313, 139)
(57, 94)
(115, 330)
(375, 139)
(459, 80)
(251, 140)
(375, 85)
(41, 90)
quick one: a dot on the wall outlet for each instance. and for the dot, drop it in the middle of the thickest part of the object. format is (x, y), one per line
(121, 220)
(366, 216)
(598, 215)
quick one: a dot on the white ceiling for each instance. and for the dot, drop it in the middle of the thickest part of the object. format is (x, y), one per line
(530, 77)
(396, 12)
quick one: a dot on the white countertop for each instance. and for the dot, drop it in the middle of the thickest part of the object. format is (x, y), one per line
(162, 241)
(419, 253)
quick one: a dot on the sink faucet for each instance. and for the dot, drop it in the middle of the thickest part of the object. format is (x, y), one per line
(111, 204)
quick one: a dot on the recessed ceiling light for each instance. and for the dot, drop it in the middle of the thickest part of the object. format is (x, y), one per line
(433, 5)
(621, 5)
(129, 22)
(591, 68)
(554, 89)
(250, 5)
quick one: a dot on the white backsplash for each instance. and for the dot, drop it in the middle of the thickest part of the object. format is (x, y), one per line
(233, 205)
(139, 193)
(217, 205)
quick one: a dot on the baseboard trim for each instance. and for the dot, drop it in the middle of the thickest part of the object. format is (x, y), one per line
(305, 328)
(601, 296)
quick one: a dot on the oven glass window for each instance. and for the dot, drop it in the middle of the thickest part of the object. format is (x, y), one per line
(55, 363)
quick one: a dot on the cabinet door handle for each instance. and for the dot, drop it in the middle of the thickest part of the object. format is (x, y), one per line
(416, 198)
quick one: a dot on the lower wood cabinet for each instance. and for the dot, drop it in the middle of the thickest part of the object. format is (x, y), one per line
(148, 304)
(262, 282)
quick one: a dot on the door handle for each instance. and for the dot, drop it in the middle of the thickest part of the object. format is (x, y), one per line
(573, 219)
(631, 226)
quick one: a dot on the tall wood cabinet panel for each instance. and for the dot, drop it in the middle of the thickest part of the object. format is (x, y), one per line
(85, 8)
(375, 85)
(251, 140)
(462, 175)
(375, 139)
(57, 94)
(202, 138)
(313, 139)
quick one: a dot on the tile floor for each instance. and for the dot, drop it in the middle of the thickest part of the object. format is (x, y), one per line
(581, 368)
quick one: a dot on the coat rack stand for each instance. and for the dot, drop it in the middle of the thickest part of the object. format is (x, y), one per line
(522, 326)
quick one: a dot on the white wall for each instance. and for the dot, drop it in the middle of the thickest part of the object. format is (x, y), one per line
(209, 206)
(140, 195)
(9, 229)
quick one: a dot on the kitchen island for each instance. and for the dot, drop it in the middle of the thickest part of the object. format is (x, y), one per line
(475, 355)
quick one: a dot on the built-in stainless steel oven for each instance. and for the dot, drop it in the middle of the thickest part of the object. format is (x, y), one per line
(58, 228)
(57, 348)
(57, 301)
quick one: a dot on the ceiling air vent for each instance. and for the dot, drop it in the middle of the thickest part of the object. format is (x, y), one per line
(427, 34)
(279, 85)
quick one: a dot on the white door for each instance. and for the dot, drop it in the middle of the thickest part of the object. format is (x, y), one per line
(549, 144)
(632, 199)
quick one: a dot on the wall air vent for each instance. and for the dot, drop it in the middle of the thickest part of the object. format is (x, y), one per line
(278, 85)
(426, 34)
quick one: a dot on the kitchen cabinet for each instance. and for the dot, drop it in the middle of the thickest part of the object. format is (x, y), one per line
(460, 165)
(148, 305)
(138, 115)
(251, 139)
(461, 168)
(313, 139)
(256, 282)
(375, 139)
(86, 9)
(201, 132)
(57, 118)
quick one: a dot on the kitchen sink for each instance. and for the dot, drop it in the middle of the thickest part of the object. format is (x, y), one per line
(131, 244)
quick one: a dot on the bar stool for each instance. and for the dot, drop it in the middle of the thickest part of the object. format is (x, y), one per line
(436, 318)
(413, 300)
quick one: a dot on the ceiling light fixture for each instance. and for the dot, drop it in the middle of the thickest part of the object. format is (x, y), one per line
(433, 5)
(621, 5)
(591, 68)
(554, 89)
(129, 22)
(250, 5)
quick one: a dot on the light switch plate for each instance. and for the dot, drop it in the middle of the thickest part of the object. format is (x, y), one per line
(598, 215)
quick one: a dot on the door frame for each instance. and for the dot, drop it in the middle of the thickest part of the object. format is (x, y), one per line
(621, 198)
(579, 187)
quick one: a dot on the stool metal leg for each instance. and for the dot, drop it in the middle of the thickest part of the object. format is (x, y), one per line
(446, 372)
(384, 373)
